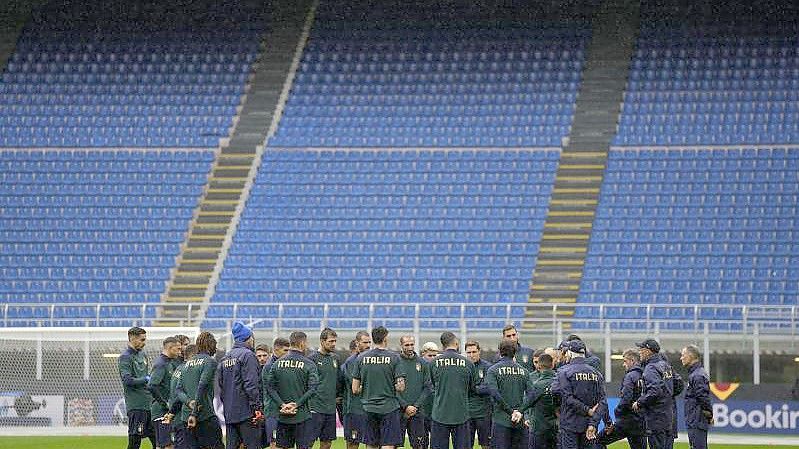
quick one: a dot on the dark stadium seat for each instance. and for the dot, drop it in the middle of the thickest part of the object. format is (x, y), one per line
(391, 228)
(96, 74)
(92, 226)
(469, 84)
(690, 227)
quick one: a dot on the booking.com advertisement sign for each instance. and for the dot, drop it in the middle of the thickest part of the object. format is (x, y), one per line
(743, 416)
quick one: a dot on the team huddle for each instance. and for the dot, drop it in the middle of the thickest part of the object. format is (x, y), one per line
(289, 396)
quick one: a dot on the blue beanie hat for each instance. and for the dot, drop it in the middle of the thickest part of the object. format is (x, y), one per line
(241, 332)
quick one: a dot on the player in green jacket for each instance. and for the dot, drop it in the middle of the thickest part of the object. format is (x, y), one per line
(378, 379)
(291, 382)
(417, 390)
(507, 382)
(134, 370)
(323, 403)
(453, 379)
(543, 421)
(195, 389)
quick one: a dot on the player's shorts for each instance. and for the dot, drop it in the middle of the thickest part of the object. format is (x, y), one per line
(483, 428)
(270, 428)
(383, 429)
(289, 435)
(139, 423)
(417, 430)
(207, 434)
(323, 426)
(440, 435)
(354, 425)
(509, 437)
(163, 434)
(245, 433)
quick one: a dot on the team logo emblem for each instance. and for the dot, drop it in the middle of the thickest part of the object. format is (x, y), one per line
(524, 359)
(480, 374)
(418, 367)
(335, 364)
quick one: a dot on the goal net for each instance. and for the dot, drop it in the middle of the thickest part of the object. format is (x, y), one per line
(66, 380)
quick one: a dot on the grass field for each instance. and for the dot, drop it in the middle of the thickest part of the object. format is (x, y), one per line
(121, 443)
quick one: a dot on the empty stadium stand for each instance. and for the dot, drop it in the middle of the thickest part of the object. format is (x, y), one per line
(685, 227)
(92, 226)
(391, 228)
(228, 185)
(701, 208)
(709, 75)
(122, 74)
(422, 74)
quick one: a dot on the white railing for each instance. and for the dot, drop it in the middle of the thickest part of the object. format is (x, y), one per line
(660, 318)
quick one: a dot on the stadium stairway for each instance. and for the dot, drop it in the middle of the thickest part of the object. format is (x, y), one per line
(216, 217)
(574, 199)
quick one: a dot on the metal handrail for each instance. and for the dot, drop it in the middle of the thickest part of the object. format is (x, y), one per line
(750, 315)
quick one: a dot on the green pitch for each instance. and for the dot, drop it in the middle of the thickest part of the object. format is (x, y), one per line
(121, 443)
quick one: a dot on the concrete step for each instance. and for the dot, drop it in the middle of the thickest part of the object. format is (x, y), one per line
(567, 229)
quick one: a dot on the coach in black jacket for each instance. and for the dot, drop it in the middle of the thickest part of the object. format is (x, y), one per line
(698, 409)
(629, 424)
(656, 402)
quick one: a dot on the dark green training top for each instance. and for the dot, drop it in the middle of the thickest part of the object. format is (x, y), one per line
(196, 383)
(378, 370)
(417, 381)
(542, 411)
(352, 403)
(160, 379)
(293, 378)
(480, 404)
(324, 401)
(507, 382)
(453, 378)
(133, 370)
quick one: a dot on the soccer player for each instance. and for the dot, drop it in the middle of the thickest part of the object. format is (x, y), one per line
(536, 356)
(479, 405)
(656, 400)
(160, 379)
(524, 355)
(581, 390)
(291, 382)
(238, 383)
(453, 379)
(377, 378)
(281, 347)
(429, 352)
(184, 341)
(354, 415)
(698, 408)
(262, 354)
(543, 420)
(629, 424)
(417, 390)
(507, 383)
(323, 403)
(134, 372)
(174, 404)
(195, 390)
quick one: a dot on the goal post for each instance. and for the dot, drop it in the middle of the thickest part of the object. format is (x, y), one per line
(65, 380)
